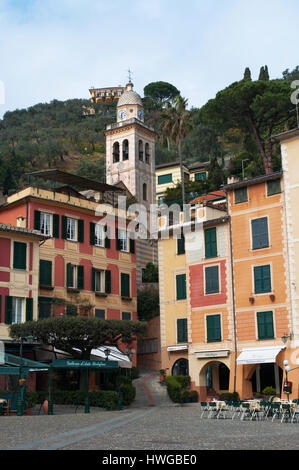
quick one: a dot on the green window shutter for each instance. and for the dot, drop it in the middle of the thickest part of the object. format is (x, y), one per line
(273, 187)
(80, 277)
(36, 220)
(260, 237)
(108, 282)
(45, 272)
(213, 328)
(182, 333)
(63, 227)
(93, 279)
(212, 279)
(200, 176)
(181, 245)
(181, 286)
(81, 231)
(20, 255)
(98, 313)
(92, 233)
(125, 285)
(132, 245)
(69, 275)
(262, 279)
(117, 239)
(241, 195)
(56, 225)
(107, 236)
(211, 243)
(44, 307)
(8, 310)
(265, 325)
(29, 309)
(163, 179)
(126, 316)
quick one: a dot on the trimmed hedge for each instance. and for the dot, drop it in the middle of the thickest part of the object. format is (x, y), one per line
(175, 386)
(227, 396)
(128, 392)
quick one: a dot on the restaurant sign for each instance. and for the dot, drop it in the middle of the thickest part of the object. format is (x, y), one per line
(207, 354)
(83, 364)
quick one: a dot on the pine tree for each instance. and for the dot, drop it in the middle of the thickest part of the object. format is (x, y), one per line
(262, 74)
(267, 77)
(247, 74)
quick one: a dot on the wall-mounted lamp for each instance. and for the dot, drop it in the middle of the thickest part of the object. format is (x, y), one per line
(285, 337)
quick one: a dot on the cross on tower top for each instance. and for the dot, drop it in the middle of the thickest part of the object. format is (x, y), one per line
(129, 75)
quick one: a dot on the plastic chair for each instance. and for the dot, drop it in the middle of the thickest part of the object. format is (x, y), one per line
(295, 414)
(222, 411)
(236, 408)
(275, 408)
(285, 412)
(212, 409)
(245, 410)
(6, 407)
(204, 407)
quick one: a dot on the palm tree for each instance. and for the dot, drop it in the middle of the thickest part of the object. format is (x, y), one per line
(176, 124)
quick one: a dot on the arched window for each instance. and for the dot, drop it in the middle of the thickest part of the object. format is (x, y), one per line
(126, 149)
(181, 367)
(147, 153)
(144, 191)
(115, 152)
(140, 150)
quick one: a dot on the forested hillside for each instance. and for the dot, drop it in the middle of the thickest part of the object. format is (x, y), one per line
(237, 123)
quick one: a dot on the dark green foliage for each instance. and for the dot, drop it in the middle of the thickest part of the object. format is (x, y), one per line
(148, 305)
(227, 396)
(99, 398)
(264, 73)
(84, 333)
(128, 392)
(160, 91)
(247, 74)
(291, 75)
(176, 384)
(151, 273)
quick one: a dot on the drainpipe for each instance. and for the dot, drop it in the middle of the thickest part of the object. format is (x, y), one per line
(233, 291)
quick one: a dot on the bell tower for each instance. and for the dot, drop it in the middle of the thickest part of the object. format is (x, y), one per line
(130, 149)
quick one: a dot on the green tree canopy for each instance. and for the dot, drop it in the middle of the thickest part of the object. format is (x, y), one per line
(260, 108)
(147, 303)
(83, 333)
(160, 91)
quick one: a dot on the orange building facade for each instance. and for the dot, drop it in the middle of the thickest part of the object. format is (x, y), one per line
(261, 283)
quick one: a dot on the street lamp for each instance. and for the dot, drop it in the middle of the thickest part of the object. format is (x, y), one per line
(107, 352)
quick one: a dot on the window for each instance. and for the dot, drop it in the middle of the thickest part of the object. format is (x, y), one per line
(212, 279)
(182, 331)
(260, 237)
(122, 239)
(211, 243)
(126, 150)
(213, 323)
(140, 150)
(147, 153)
(71, 229)
(17, 310)
(125, 285)
(144, 191)
(181, 287)
(98, 313)
(99, 235)
(115, 152)
(99, 281)
(45, 307)
(262, 279)
(163, 179)
(265, 325)
(71, 310)
(20, 255)
(241, 195)
(126, 316)
(46, 223)
(45, 273)
(200, 176)
(273, 187)
(71, 276)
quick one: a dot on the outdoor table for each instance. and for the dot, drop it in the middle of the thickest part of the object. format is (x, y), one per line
(2, 400)
(220, 404)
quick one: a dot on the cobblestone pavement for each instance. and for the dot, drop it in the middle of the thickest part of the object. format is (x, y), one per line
(152, 423)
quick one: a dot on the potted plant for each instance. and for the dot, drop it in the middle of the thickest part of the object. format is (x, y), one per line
(162, 375)
(269, 392)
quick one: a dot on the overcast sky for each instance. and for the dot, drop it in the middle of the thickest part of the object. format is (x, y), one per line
(57, 49)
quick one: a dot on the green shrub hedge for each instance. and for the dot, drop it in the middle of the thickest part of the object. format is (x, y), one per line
(227, 396)
(176, 385)
(128, 392)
